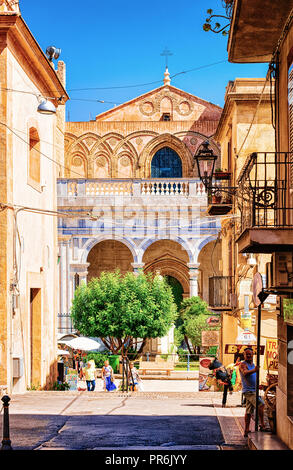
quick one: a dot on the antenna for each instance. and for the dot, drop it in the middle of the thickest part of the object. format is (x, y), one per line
(52, 53)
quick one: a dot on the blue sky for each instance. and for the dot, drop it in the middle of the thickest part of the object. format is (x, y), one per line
(116, 44)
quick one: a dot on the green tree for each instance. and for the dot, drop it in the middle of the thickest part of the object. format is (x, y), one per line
(194, 314)
(120, 309)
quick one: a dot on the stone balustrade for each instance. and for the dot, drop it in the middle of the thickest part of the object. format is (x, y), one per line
(179, 187)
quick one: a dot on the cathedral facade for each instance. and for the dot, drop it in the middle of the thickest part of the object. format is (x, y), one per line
(132, 198)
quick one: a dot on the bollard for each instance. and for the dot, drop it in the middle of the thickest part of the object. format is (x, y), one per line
(188, 362)
(6, 442)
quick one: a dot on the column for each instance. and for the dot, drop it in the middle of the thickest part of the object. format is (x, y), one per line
(193, 278)
(82, 271)
(64, 242)
(137, 267)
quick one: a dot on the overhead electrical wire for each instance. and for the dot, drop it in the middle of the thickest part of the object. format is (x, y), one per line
(39, 151)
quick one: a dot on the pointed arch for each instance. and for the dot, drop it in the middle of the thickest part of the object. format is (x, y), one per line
(166, 140)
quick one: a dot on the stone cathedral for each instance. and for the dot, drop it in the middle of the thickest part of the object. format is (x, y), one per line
(132, 196)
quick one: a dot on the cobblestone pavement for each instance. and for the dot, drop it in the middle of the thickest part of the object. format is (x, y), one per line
(148, 420)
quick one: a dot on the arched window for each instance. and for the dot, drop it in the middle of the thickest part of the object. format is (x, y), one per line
(34, 164)
(166, 163)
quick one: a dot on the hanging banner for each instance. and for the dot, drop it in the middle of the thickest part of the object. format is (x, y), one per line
(271, 358)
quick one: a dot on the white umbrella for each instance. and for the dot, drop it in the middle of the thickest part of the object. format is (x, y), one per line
(82, 343)
(61, 352)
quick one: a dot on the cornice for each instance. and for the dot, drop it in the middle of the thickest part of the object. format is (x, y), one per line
(231, 99)
(28, 53)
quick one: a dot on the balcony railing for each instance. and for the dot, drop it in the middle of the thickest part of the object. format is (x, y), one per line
(220, 197)
(130, 187)
(263, 191)
(220, 291)
(65, 323)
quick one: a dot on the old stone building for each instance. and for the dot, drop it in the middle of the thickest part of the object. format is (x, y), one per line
(261, 31)
(31, 149)
(133, 195)
(238, 269)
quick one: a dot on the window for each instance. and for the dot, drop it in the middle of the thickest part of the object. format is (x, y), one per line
(166, 117)
(34, 167)
(166, 163)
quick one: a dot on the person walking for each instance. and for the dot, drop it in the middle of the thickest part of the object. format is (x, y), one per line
(108, 377)
(248, 371)
(134, 378)
(90, 375)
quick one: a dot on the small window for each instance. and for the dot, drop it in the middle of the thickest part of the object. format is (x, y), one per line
(166, 117)
(34, 167)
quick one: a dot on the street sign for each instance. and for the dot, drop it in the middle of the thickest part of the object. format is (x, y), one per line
(213, 320)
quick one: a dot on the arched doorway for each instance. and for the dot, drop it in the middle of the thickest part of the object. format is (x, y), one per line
(109, 255)
(208, 259)
(166, 163)
(170, 259)
(177, 289)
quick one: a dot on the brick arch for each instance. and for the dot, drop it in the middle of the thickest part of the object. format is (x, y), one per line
(77, 173)
(93, 171)
(107, 256)
(178, 240)
(94, 241)
(170, 258)
(166, 140)
(171, 268)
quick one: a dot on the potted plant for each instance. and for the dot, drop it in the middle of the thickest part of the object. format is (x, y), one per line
(217, 198)
(222, 174)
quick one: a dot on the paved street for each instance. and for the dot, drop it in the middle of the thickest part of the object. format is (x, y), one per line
(149, 420)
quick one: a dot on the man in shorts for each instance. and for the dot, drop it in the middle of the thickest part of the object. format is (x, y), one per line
(248, 377)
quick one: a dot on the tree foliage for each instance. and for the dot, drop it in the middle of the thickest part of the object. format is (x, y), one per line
(194, 314)
(216, 27)
(121, 308)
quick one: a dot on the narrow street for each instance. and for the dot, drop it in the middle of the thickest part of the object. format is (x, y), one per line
(145, 421)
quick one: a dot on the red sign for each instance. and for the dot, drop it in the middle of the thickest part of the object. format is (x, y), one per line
(239, 348)
(213, 320)
(205, 362)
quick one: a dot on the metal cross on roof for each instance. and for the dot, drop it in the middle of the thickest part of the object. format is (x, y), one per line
(166, 53)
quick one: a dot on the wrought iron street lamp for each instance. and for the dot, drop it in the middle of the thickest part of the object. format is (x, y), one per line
(205, 159)
(219, 195)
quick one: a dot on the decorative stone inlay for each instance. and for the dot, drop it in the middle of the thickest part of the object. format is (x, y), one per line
(90, 141)
(147, 108)
(124, 161)
(112, 141)
(193, 141)
(181, 105)
(76, 161)
(139, 141)
(101, 162)
(184, 108)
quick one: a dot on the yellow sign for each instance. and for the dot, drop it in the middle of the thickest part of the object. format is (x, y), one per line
(271, 354)
(246, 320)
(240, 348)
